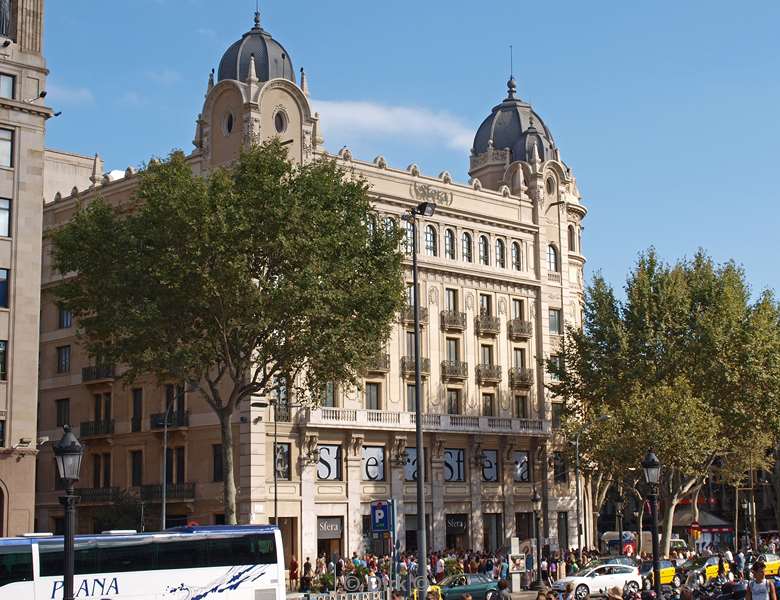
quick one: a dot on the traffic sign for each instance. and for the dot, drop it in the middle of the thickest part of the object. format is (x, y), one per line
(695, 526)
(380, 516)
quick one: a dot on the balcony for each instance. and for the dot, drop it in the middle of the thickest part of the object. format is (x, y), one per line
(407, 366)
(407, 315)
(173, 491)
(454, 369)
(350, 418)
(488, 374)
(97, 374)
(379, 364)
(175, 419)
(95, 428)
(520, 377)
(488, 325)
(453, 320)
(555, 277)
(105, 495)
(520, 329)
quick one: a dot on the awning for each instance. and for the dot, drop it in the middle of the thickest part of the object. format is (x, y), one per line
(683, 517)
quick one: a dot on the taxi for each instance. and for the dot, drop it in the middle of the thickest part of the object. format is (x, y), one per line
(772, 562)
(703, 569)
(669, 574)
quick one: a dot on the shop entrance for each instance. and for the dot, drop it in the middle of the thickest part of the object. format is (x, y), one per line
(493, 531)
(410, 523)
(457, 532)
(330, 531)
(288, 527)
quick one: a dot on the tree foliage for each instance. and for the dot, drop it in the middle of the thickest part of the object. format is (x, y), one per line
(226, 281)
(685, 364)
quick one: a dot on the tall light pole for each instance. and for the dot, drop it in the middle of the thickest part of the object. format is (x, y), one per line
(619, 502)
(536, 503)
(68, 452)
(164, 491)
(652, 468)
(425, 209)
(580, 431)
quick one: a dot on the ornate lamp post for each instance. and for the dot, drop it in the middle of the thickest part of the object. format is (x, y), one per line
(425, 209)
(68, 453)
(619, 503)
(652, 469)
(536, 502)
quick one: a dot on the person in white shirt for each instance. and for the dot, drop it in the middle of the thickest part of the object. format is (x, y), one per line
(440, 569)
(760, 588)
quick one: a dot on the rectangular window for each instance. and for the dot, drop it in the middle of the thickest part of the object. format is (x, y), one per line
(216, 465)
(5, 217)
(329, 465)
(373, 463)
(410, 466)
(490, 465)
(4, 298)
(64, 318)
(174, 394)
(560, 470)
(453, 350)
(96, 471)
(283, 472)
(6, 148)
(63, 412)
(454, 464)
(63, 359)
(451, 301)
(521, 407)
(138, 409)
(329, 395)
(518, 358)
(180, 464)
(136, 468)
(169, 465)
(373, 396)
(7, 86)
(555, 321)
(453, 402)
(2, 433)
(3, 360)
(486, 354)
(410, 295)
(410, 344)
(106, 470)
(557, 414)
(522, 471)
(485, 305)
(411, 401)
(563, 530)
(555, 359)
(518, 311)
(488, 401)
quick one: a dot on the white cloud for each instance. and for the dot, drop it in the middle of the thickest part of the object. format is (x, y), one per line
(164, 76)
(347, 121)
(132, 99)
(206, 32)
(64, 95)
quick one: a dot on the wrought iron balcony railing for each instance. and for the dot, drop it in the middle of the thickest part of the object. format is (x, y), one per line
(454, 369)
(407, 365)
(97, 373)
(93, 428)
(520, 329)
(379, 364)
(488, 325)
(452, 319)
(175, 419)
(520, 377)
(173, 491)
(488, 373)
(407, 315)
(102, 495)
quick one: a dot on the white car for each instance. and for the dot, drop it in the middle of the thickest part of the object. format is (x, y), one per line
(598, 580)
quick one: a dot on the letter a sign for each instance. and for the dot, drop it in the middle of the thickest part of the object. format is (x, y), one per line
(380, 516)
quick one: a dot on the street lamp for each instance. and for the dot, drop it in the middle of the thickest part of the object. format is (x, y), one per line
(652, 468)
(68, 452)
(425, 209)
(619, 503)
(536, 503)
(580, 431)
(164, 487)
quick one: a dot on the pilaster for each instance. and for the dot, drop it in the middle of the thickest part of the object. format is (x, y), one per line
(475, 483)
(254, 505)
(353, 525)
(397, 460)
(439, 521)
(308, 464)
(508, 491)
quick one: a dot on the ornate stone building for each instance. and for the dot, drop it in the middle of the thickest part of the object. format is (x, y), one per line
(500, 275)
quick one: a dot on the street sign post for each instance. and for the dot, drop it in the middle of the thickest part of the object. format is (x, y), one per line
(380, 516)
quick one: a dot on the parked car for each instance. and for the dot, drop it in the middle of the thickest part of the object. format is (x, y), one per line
(703, 569)
(669, 574)
(597, 580)
(611, 560)
(772, 562)
(481, 587)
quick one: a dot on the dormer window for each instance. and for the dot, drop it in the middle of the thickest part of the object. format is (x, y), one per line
(227, 124)
(280, 122)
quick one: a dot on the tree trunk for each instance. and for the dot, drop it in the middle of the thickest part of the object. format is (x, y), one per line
(695, 505)
(668, 514)
(228, 476)
(640, 525)
(775, 485)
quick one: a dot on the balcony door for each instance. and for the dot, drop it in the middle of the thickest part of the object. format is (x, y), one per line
(486, 354)
(518, 358)
(453, 350)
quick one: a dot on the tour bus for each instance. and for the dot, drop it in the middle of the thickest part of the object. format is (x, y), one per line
(224, 562)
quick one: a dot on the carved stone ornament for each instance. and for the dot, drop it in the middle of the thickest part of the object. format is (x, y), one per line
(445, 177)
(504, 400)
(424, 192)
(469, 301)
(413, 170)
(438, 448)
(356, 444)
(309, 453)
(476, 454)
(433, 296)
(502, 306)
(509, 449)
(437, 398)
(476, 184)
(380, 162)
(398, 451)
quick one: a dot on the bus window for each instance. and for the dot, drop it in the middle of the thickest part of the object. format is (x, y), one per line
(15, 564)
(127, 555)
(50, 555)
(181, 553)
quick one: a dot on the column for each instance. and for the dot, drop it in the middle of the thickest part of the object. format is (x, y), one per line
(308, 462)
(476, 527)
(254, 498)
(438, 526)
(508, 489)
(354, 523)
(397, 482)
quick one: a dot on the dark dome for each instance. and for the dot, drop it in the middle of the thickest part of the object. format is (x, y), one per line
(271, 59)
(513, 124)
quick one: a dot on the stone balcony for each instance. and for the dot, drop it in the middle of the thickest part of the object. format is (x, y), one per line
(488, 373)
(407, 315)
(488, 325)
(175, 419)
(407, 366)
(97, 374)
(453, 320)
(554, 277)
(96, 428)
(379, 364)
(454, 369)
(351, 418)
(520, 329)
(520, 377)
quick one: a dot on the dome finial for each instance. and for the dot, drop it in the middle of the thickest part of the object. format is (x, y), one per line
(257, 14)
(511, 84)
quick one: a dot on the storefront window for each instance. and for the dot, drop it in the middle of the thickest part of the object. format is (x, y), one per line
(457, 532)
(373, 463)
(522, 472)
(454, 464)
(329, 465)
(490, 465)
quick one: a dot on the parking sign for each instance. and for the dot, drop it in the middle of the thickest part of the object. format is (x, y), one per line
(380, 516)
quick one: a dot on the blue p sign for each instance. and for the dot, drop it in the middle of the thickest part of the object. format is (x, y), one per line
(380, 516)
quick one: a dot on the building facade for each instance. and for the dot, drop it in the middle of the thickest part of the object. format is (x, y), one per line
(500, 277)
(23, 119)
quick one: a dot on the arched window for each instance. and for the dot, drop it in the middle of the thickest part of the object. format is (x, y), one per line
(517, 257)
(390, 225)
(500, 254)
(572, 239)
(449, 244)
(484, 250)
(408, 237)
(552, 259)
(468, 248)
(431, 245)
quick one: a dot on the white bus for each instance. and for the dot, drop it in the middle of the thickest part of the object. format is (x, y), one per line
(220, 562)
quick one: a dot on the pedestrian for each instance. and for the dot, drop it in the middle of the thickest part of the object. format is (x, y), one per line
(372, 582)
(760, 588)
(544, 568)
(503, 590)
(293, 574)
(569, 591)
(306, 577)
(340, 573)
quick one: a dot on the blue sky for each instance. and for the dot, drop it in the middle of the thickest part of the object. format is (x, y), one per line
(666, 111)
